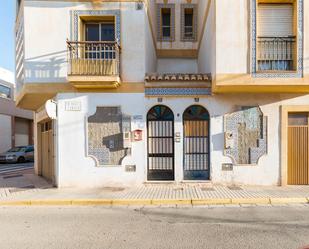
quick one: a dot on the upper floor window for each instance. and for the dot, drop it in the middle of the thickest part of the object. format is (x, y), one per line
(103, 31)
(99, 37)
(276, 37)
(166, 22)
(188, 22)
(5, 92)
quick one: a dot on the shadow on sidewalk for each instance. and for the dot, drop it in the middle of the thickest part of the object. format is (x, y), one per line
(15, 178)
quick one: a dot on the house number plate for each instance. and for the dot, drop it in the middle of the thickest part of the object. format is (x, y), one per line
(73, 106)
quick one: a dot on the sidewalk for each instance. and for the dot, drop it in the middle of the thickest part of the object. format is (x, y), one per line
(29, 189)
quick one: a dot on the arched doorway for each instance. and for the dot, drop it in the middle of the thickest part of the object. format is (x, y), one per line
(196, 143)
(160, 143)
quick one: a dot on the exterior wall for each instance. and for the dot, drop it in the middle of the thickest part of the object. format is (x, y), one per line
(75, 169)
(7, 76)
(45, 53)
(306, 37)
(150, 50)
(19, 45)
(224, 48)
(71, 141)
(5, 133)
(232, 36)
(207, 52)
(177, 66)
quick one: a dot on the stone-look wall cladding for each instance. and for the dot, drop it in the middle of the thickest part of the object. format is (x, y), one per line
(105, 135)
(246, 135)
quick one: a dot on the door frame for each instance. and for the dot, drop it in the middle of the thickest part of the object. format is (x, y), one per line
(285, 110)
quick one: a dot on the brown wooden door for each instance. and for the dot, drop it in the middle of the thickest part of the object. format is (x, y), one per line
(47, 144)
(298, 163)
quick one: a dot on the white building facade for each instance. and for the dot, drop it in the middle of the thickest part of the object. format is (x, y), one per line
(171, 91)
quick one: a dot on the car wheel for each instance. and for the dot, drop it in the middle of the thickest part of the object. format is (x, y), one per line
(21, 159)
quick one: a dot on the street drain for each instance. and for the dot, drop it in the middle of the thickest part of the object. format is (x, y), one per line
(234, 188)
(24, 188)
(11, 176)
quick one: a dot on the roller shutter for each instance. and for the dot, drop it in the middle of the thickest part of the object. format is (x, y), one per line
(275, 20)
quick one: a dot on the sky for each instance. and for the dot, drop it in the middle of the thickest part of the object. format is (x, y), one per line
(7, 44)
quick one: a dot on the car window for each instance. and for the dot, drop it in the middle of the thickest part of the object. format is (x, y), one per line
(17, 149)
(31, 149)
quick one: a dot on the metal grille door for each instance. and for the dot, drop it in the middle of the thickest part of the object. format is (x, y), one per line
(298, 154)
(160, 126)
(196, 143)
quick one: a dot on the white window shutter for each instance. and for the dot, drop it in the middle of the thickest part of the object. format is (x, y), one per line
(275, 20)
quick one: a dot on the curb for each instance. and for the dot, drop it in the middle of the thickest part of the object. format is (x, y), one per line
(154, 202)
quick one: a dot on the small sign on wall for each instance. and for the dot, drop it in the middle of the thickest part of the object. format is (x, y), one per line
(138, 121)
(73, 106)
(227, 167)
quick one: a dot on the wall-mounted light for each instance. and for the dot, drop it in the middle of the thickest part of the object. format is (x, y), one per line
(160, 100)
(196, 100)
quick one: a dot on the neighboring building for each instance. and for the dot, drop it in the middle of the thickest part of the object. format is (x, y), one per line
(166, 90)
(16, 125)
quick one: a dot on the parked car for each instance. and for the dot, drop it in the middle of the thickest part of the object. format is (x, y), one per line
(18, 154)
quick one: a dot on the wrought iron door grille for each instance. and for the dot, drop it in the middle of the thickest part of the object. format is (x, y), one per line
(196, 144)
(160, 144)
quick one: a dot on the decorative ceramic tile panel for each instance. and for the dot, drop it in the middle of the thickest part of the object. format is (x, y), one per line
(76, 14)
(300, 33)
(159, 10)
(245, 135)
(177, 91)
(106, 130)
(182, 20)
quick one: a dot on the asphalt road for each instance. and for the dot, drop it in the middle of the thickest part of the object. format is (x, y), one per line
(98, 227)
(13, 167)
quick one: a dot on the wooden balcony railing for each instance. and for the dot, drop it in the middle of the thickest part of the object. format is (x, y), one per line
(93, 58)
(276, 53)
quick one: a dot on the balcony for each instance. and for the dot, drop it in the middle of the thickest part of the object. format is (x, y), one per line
(93, 64)
(276, 54)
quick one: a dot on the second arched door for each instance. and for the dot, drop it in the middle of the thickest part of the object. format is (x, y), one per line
(196, 143)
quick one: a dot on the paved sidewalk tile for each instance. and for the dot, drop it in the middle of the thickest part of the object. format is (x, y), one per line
(181, 195)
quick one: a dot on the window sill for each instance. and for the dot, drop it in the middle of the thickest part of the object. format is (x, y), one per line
(166, 40)
(277, 74)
